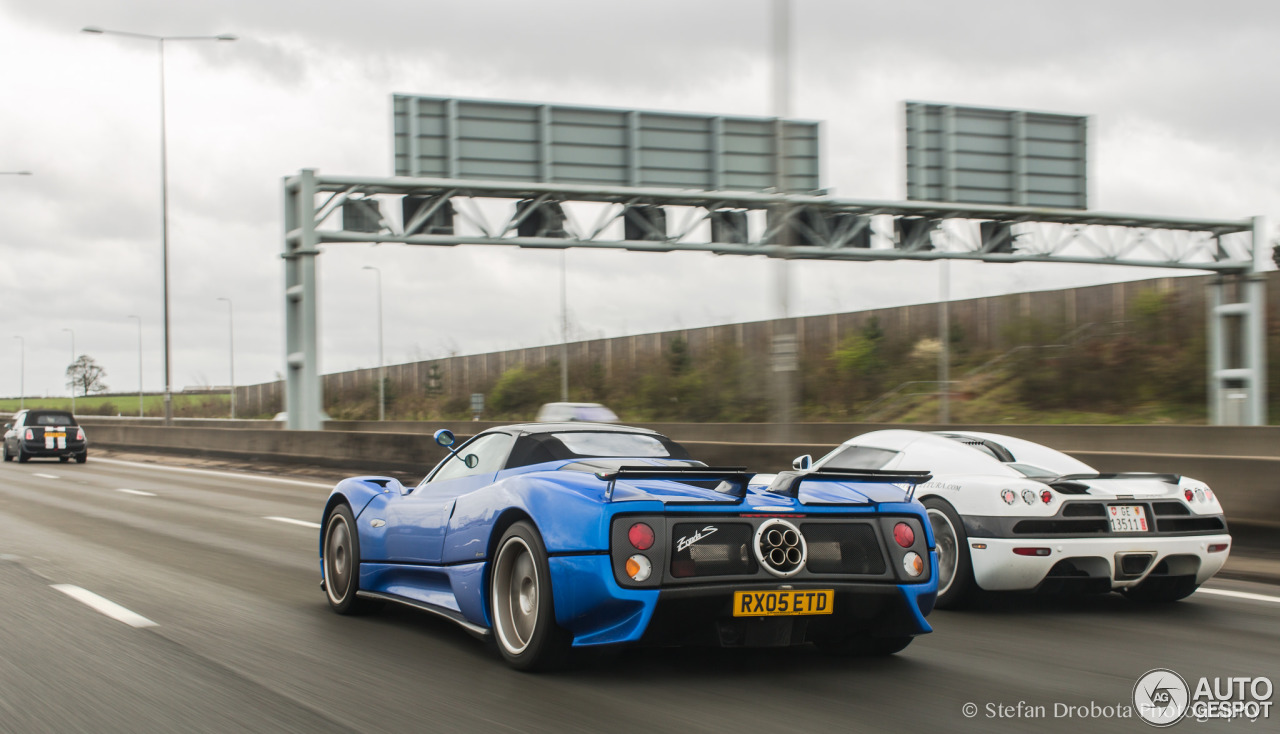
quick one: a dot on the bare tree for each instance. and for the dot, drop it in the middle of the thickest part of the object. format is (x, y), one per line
(85, 376)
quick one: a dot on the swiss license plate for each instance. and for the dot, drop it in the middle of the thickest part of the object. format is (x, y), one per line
(1127, 518)
(783, 602)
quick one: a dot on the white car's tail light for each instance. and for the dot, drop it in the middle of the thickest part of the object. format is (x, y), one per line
(1009, 496)
(1046, 496)
(1189, 495)
(1031, 551)
(1218, 547)
(1029, 496)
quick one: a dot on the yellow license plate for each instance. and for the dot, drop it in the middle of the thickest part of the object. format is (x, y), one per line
(783, 603)
(55, 434)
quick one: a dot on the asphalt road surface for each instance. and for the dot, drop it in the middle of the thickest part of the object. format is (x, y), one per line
(140, 598)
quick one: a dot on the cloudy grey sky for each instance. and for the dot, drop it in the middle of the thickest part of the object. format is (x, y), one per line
(1182, 94)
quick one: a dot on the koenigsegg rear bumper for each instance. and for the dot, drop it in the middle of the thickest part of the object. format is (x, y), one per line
(1093, 563)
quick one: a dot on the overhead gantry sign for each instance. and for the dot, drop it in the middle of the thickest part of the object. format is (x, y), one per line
(448, 212)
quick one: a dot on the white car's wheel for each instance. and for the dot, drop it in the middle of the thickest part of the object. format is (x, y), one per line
(955, 569)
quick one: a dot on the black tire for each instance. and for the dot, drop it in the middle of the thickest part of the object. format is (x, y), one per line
(23, 456)
(1162, 590)
(955, 569)
(862, 646)
(342, 563)
(7, 456)
(64, 459)
(521, 602)
(82, 457)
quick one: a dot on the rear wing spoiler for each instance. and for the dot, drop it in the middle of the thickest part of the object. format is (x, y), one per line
(736, 474)
(1170, 478)
(788, 483)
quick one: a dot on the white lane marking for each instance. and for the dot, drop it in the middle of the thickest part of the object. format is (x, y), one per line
(45, 476)
(211, 472)
(138, 492)
(291, 521)
(1239, 595)
(104, 606)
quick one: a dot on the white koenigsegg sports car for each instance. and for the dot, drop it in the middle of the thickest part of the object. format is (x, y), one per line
(1010, 514)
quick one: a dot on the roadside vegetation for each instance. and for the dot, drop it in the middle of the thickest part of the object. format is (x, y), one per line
(1150, 369)
(185, 405)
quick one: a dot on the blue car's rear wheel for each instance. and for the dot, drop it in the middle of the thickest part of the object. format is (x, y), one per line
(342, 563)
(520, 601)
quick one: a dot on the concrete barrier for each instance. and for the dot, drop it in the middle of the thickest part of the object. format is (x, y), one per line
(1249, 486)
(1152, 439)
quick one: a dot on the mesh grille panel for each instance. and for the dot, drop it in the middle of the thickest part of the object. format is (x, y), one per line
(722, 552)
(843, 548)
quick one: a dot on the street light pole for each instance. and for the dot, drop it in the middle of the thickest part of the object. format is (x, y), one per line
(785, 343)
(231, 343)
(73, 361)
(22, 365)
(164, 193)
(382, 376)
(564, 326)
(22, 374)
(139, 318)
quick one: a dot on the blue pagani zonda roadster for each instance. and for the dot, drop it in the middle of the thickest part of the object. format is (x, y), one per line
(548, 537)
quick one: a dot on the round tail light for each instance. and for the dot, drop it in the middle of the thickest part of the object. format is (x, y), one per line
(1046, 496)
(639, 568)
(913, 564)
(1189, 495)
(903, 533)
(641, 536)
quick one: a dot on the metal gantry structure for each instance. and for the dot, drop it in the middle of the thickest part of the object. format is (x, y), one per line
(323, 210)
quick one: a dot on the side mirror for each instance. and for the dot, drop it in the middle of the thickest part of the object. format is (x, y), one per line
(7, 426)
(445, 438)
(802, 463)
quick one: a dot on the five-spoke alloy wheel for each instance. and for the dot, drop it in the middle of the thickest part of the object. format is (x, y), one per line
(520, 602)
(342, 563)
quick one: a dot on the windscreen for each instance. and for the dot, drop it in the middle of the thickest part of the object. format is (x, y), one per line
(859, 457)
(595, 414)
(537, 448)
(613, 444)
